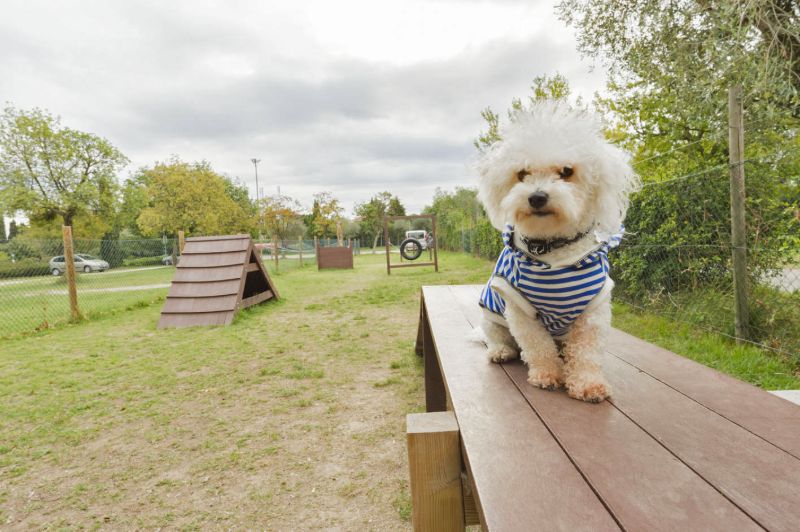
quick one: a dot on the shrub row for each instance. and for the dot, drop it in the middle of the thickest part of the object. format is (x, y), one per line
(23, 268)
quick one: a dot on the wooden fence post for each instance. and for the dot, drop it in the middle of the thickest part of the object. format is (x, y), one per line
(434, 460)
(435, 244)
(181, 241)
(386, 241)
(300, 247)
(738, 224)
(69, 260)
(275, 250)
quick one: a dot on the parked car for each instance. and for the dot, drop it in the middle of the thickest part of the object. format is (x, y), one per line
(83, 262)
(420, 235)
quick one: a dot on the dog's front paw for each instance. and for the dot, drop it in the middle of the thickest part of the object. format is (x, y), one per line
(502, 353)
(590, 388)
(549, 377)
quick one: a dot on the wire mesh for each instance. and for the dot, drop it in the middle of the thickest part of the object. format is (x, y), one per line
(111, 275)
(676, 258)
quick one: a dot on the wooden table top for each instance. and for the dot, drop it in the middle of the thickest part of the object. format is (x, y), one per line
(679, 446)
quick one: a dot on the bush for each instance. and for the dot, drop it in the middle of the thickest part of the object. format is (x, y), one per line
(143, 261)
(23, 268)
(110, 251)
(20, 250)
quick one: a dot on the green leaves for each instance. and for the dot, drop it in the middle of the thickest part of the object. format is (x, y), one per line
(50, 171)
(189, 197)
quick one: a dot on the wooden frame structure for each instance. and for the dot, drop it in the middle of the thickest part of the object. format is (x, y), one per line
(216, 276)
(338, 257)
(434, 262)
(678, 446)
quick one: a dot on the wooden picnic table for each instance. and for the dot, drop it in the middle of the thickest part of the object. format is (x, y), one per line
(678, 446)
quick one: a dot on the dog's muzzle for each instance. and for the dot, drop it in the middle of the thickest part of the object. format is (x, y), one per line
(537, 200)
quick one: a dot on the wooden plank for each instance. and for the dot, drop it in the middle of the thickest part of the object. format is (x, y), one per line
(642, 482)
(204, 289)
(434, 462)
(211, 260)
(197, 319)
(521, 475)
(218, 237)
(334, 258)
(646, 487)
(256, 299)
(761, 413)
(412, 265)
(215, 246)
(755, 475)
(226, 273)
(175, 305)
(471, 516)
(435, 391)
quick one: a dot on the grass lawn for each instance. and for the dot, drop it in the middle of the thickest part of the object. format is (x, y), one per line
(27, 304)
(34, 303)
(293, 417)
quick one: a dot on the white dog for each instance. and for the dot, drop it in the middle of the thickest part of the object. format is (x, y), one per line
(559, 192)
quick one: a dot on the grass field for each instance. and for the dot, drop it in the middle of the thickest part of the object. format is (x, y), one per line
(293, 417)
(35, 303)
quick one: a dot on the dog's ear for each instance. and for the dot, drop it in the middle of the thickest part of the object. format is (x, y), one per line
(493, 186)
(616, 180)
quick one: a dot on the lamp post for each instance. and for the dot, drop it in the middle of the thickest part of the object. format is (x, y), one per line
(258, 200)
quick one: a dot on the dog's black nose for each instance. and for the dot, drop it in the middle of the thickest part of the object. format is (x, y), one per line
(538, 199)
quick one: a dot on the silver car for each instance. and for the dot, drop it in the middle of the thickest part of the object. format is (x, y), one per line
(83, 262)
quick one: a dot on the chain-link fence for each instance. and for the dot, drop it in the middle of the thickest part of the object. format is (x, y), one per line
(676, 258)
(112, 275)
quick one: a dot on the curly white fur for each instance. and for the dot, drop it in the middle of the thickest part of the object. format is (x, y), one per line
(559, 152)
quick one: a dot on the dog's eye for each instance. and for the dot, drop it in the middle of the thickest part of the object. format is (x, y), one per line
(566, 172)
(522, 174)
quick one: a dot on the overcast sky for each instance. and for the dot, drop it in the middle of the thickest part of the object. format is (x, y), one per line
(351, 97)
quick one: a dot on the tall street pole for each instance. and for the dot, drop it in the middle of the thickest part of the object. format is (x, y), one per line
(258, 200)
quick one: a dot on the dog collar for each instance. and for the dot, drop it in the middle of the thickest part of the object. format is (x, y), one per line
(537, 246)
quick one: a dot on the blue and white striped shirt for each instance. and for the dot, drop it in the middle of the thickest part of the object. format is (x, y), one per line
(559, 295)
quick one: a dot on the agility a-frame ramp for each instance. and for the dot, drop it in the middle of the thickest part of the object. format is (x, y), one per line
(215, 277)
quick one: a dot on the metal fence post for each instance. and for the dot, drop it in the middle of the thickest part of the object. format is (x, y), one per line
(738, 224)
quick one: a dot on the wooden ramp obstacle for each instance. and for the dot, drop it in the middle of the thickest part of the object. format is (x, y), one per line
(215, 277)
(334, 257)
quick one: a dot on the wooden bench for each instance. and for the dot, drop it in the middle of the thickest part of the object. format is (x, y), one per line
(679, 446)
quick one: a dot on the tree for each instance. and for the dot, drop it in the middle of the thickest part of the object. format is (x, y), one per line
(2, 228)
(49, 171)
(12, 229)
(239, 194)
(670, 64)
(282, 217)
(189, 197)
(325, 213)
(371, 214)
(688, 52)
(543, 88)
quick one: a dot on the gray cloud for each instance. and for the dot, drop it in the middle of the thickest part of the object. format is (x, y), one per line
(225, 84)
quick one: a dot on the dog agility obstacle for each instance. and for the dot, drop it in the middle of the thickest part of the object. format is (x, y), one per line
(434, 257)
(215, 277)
(338, 257)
